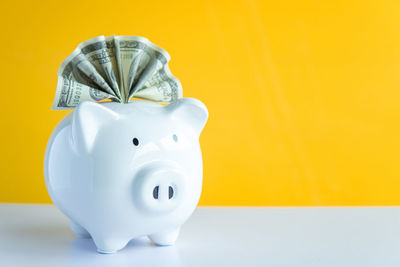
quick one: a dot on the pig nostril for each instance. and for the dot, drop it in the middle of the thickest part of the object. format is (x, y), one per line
(155, 192)
(135, 141)
(170, 192)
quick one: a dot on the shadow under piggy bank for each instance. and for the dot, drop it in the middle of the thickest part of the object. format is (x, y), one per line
(138, 252)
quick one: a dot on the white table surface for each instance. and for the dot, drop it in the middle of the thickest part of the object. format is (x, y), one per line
(39, 235)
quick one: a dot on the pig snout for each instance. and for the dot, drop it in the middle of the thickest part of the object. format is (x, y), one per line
(159, 187)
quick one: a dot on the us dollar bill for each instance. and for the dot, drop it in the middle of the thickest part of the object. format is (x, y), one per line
(160, 87)
(70, 93)
(97, 52)
(129, 51)
(149, 76)
(117, 68)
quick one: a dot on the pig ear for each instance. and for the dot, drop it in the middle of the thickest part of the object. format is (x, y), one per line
(191, 111)
(87, 119)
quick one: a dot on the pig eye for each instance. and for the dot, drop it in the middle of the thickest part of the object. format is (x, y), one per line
(175, 137)
(135, 141)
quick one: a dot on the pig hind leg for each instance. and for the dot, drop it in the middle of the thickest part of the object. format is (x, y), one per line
(165, 238)
(79, 230)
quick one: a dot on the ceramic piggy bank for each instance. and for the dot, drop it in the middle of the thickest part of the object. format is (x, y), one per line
(121, 171)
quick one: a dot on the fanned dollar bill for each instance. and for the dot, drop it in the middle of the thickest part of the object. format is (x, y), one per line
(118, 68)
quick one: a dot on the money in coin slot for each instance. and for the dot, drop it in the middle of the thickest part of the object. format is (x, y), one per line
(117, 68)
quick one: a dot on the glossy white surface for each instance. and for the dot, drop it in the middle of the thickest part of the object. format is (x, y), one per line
(120, 171)
(39, 235)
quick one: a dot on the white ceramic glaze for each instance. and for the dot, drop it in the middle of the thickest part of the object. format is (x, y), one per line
(114, 190)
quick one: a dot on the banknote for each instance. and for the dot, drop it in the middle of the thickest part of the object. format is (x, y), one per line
(160, 87)
(96, 52)
(70, 93)
(117, 68)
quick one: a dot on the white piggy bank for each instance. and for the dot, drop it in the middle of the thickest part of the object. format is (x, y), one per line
(120, 171)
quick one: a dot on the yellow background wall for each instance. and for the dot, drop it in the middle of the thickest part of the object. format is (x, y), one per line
(304, 96)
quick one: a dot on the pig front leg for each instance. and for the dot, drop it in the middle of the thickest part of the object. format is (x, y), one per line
(165, 238)
(109, 245)
(79, 230)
